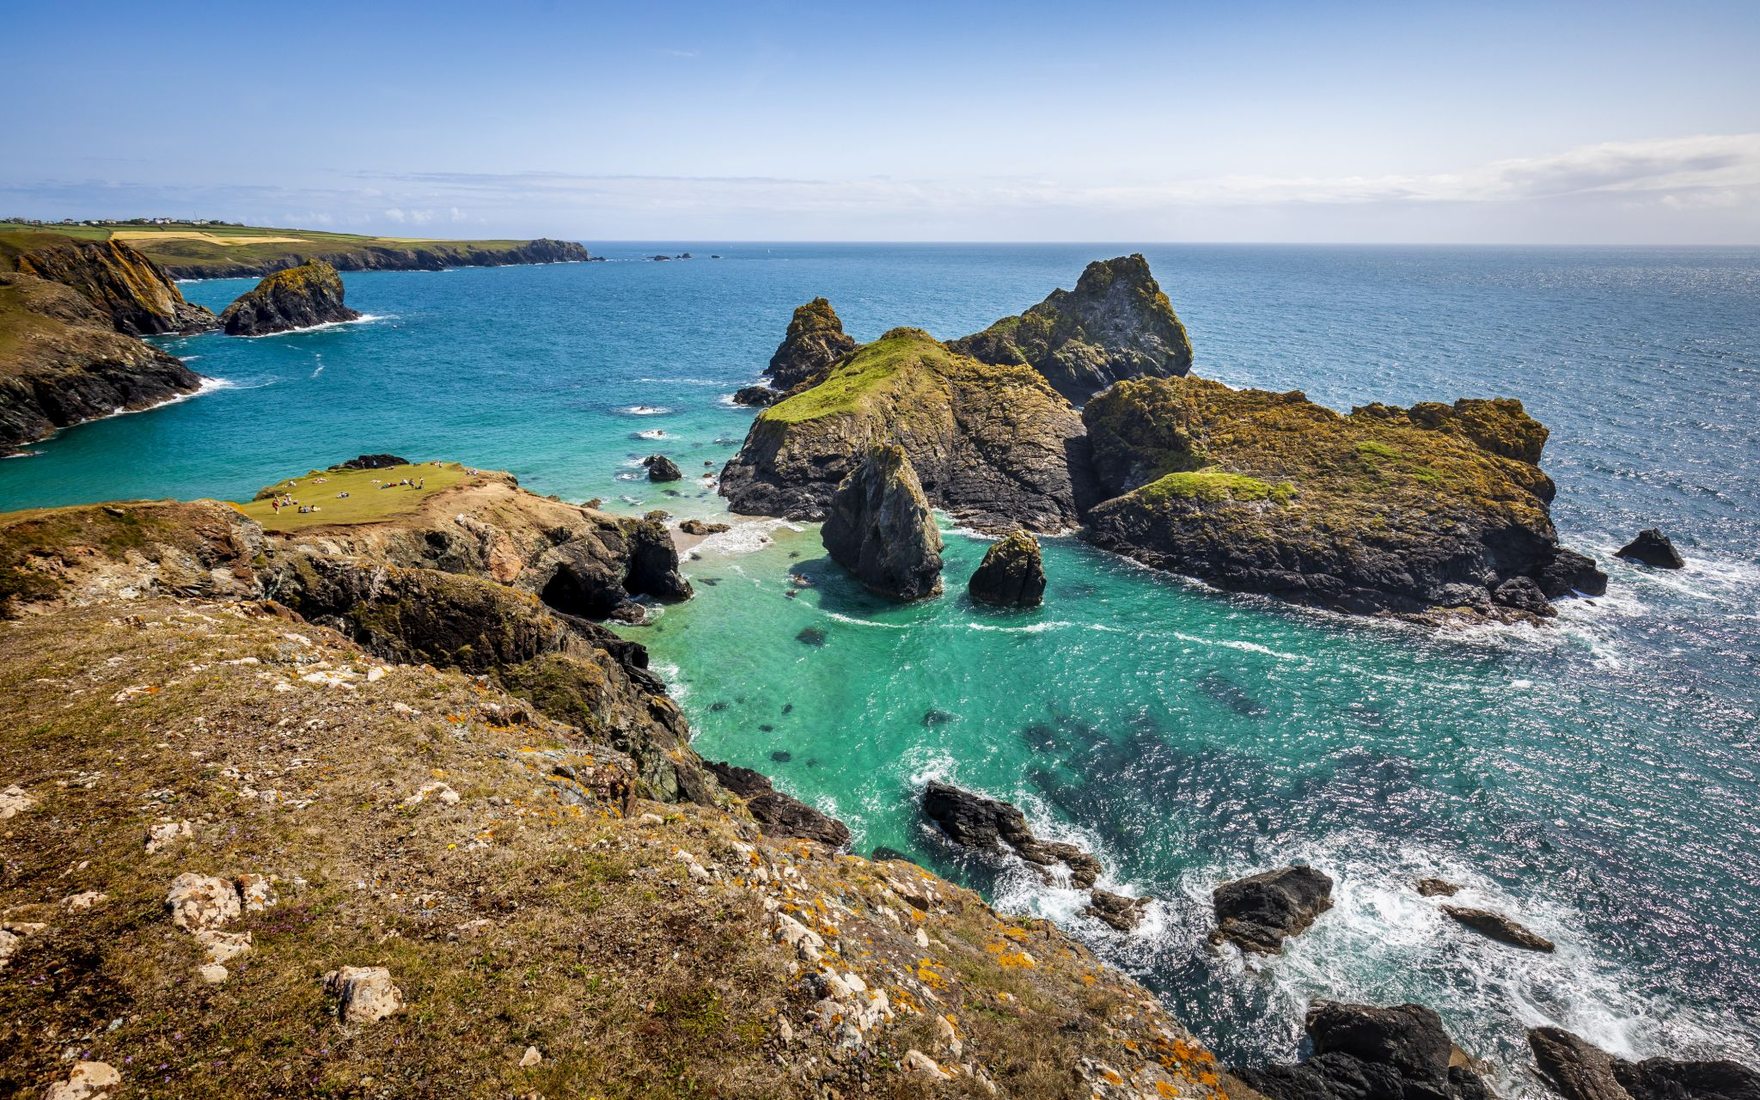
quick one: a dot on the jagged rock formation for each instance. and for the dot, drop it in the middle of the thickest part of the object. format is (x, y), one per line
(138, 296)
(61, 363)
(881, 530)
(1117, 323)
(779, 814)
(1580, 1071)
(757, 397)
(1498, 927)
(815, 340)
(1012, 573)
(427, 256)
(1384, 510)
(1260, 911)
(1366, 1053)
(987, 824)
(661, 468)
(1652, 548)
(991, 444)
(415, 826)
(1121, 913)
(297, 297)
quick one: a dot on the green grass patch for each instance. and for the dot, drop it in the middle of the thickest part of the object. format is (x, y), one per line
(1214, 485)
(873, 369)
(373, 495)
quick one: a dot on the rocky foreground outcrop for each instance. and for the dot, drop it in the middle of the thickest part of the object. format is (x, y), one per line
(1580, 1071)
(990, 444)
(1012, 573)
(1361, 1052)
(297, 297)
(880, 528)
(136, 293)
(1117, 323)
(777, 813)
(252, 853)
(1406, 511)
(62, 362)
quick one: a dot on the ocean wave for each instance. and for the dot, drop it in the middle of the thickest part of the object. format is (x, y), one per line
(681, 381)
(1244, 647)
(853, 621)
(363, 319)
(746, 536)
(651, 433)
(996, 628)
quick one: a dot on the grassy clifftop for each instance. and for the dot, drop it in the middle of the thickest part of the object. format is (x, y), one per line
(195, 251)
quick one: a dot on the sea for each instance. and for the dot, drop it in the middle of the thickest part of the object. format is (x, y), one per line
(1597, 778)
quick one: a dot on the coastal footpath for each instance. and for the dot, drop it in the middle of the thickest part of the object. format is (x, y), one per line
(362, 800)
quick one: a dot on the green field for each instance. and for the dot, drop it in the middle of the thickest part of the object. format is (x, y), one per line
(190, 250)
(367, 500)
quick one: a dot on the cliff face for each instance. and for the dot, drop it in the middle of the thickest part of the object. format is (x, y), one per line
(297, 297)
(247, 799)
(1116, 324)
(61, 363)
(990, 443)
(138, 296)
(429, 256)
(1383, 510)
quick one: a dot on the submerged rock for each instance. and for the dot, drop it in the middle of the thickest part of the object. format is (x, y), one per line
(1260, 911)
(1116, 324)
(1652, 548)
(1581, 1071)
(777, 813)
(661, 468)
(294, 297)
(881, 530)
(136, 293)
(1414, 511)
(1361, 1052)
(987, 824)
(815, 340)
(1499, 927)
(1012, 573)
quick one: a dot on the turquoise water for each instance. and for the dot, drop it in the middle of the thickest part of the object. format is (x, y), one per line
(1599, 780)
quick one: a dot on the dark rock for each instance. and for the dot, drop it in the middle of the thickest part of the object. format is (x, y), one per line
(1116, 324)
(699, 527)
(1652, 548)
(1568, 572)
(756, 396)
(1260, 911)
(1437, 887)
(371, 462)
(779, 814)
(653, 562)
(1120, 912)
(661, 468)
(430, 256)
(1499, 927)
(781, 756)
(1580, 1071)
(136, 293)
(815, 340)
(933, 718)
(1012, 573)
(1524, 594)
(987, 824)
(881, 530)
(811, 635)
(1361, 1052)
(296, 297)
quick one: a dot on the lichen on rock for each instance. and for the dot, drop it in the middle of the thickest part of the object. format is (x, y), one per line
(295, 297)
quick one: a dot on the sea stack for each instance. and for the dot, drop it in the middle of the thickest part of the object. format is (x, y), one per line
(1012, 573)
(815, 340)
(880, 528)
(295, 297)
(1652, 548)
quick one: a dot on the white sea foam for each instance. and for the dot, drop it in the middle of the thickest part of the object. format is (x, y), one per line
(363, 319)
(644, 410)
(745, 536)
(996, 628)
(1244, 647)
(652, 433)
(853, 621)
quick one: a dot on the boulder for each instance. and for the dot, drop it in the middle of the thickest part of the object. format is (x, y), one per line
(1362, 1052)
(1260, 911)
(880, 528)
(700, 527)
(1122, 913)
(777, 813)
(661, 468)
(88, 1081)
(136, 294)
(1498, 927)
(1652, 548)
(1012, 573)
(987, 824)
(1569, 572)
(1437, 887)
(201, 902)
(1116, 324)
(756, 396)
(815, 340)
(1580, 1071)
(294, 297)
(364, 994)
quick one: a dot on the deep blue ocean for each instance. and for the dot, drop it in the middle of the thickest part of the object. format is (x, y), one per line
(1598, 779)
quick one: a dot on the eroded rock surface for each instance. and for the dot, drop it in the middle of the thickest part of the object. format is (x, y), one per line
(987, 824)
(1361, 1052)
(1260, 911)
(1579, 1070)
(1012, 573)
(814, 341)
(779, 813)
(1653, 548)
(880, 528)
(295, 297)
(136, 294)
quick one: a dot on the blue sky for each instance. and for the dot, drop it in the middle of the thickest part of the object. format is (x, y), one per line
(1567, 123)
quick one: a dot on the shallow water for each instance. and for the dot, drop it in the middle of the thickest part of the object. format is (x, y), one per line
(1599, 780)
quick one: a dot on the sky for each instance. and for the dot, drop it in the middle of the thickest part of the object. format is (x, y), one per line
(1496, 123)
